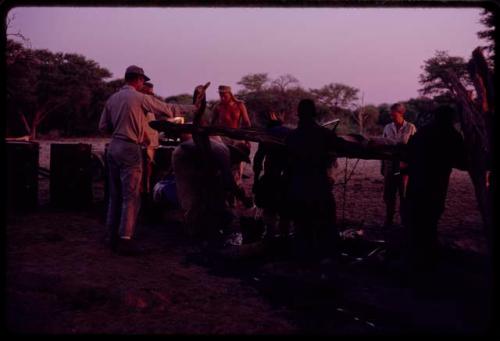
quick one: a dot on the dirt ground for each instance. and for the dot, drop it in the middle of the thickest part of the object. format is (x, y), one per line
(62, 279)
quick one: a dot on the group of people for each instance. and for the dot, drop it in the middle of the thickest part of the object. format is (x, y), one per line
(295, 185)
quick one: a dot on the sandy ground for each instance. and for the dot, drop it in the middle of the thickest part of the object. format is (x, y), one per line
(62, 279)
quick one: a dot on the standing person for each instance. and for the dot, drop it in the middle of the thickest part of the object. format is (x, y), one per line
(432, 153)
(269, 189)
(124, 116)
(231, 113)
(151, 139)
(312, 204)
(394, 171)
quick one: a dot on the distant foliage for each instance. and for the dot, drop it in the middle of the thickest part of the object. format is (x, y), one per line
(254, 82)
(488, 19)
(431, 78)
(182, 99)
(64, 94)
(47, 91)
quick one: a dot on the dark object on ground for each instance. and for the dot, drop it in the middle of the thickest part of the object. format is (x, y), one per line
(252, 229)
(128, 247)
(165, 193)
(70, 175)
(22, 176)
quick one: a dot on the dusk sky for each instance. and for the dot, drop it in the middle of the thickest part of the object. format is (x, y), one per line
(377, 50)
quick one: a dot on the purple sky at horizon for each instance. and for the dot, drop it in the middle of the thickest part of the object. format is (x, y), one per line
(377, 50)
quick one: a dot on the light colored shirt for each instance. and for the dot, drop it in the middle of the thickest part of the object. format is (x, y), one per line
(124, 115)
(401, 135)
(153, 137)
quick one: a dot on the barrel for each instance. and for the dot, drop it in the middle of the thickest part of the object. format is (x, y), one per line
(70, 175)
(22, 176)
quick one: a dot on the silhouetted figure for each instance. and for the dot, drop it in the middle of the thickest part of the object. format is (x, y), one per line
(269, 189)
(312, 204)
(432, 153)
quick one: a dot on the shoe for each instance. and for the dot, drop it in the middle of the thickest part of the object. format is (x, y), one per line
(110, 241)
(128, 247)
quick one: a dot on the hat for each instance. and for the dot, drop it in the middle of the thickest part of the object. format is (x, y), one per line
(224, 88)
(240, 150)
(135, 70)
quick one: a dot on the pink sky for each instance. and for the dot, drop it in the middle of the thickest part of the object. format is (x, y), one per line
(378, 50)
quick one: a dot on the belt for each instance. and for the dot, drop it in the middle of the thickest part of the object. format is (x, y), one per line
(124, 139)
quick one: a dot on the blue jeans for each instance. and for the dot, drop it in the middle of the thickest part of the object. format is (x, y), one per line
(125, 175)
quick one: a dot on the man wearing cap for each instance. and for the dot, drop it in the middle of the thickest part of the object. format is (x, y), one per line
(124, 117)
(231, 113)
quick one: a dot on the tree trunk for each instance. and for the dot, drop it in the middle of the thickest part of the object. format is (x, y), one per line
(33, 131)
(39, 114)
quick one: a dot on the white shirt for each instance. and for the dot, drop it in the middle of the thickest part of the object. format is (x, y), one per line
(401, 135)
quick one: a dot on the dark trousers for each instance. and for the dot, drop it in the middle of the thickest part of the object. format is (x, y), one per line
(315, 227)
(422, 223)
(393, 185)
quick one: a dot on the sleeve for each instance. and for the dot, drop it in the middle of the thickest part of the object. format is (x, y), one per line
(160, 108)
(105, 125)
(258, 160)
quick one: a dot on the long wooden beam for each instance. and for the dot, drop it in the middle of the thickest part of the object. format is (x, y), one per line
(352, 146)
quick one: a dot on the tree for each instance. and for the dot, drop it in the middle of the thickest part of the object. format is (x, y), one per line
(488, 19)
(284, 82)
(419, 110)
(55, 89)
(254, 82)
(182, 99)
(434, 68)
(335, 96)
(21, 79)
(366, 118)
